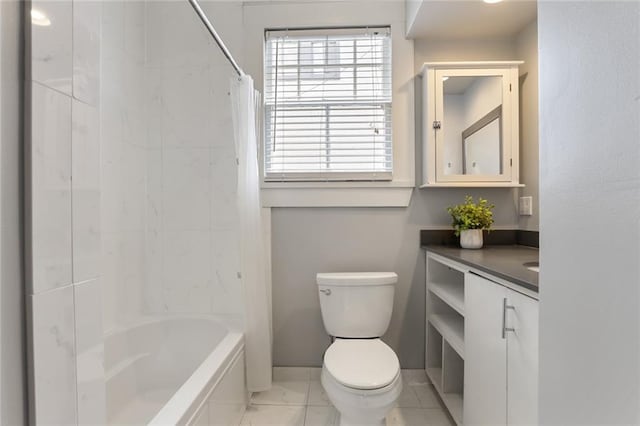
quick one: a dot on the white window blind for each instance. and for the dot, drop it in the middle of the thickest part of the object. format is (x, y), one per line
(328, 105)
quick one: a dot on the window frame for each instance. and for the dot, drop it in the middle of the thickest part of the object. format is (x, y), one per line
(283, 179)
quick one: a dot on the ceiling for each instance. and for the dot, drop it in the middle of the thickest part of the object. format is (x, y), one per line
(469, 19)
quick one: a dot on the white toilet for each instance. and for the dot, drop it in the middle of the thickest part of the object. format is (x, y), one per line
(360, 373)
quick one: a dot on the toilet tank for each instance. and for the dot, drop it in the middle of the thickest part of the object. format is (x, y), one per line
(356, 304)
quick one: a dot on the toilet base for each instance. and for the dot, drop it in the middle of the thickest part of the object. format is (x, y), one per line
(361, 407)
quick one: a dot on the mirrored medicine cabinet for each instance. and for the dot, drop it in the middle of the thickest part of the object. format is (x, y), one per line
(470, 124)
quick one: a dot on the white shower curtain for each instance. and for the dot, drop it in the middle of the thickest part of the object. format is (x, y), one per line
(245, 101)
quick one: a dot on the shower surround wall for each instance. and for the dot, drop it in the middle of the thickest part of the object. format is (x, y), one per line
(62, 206)
(130, 185)
(192, 244)
(123, 160)
(168, 162)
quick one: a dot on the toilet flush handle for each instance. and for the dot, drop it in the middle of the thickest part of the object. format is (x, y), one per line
(326, 291)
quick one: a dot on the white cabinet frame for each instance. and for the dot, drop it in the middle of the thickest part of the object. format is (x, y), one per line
(432, 143)
(444, 355)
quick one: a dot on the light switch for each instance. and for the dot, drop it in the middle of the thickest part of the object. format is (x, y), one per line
(526, 206)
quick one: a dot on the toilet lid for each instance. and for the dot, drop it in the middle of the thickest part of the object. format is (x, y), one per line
(361, 363)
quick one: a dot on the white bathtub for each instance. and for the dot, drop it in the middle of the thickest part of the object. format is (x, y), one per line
(175, 370)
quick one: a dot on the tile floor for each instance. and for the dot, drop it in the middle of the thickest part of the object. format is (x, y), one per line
(298, 399)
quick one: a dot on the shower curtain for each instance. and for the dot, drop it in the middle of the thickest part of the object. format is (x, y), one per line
(245, 101)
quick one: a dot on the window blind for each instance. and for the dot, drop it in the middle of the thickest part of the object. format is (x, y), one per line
(328, 105)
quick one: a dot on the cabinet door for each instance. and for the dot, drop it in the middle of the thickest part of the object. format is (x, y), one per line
(522, 355)
(473, 124)
(485, 361)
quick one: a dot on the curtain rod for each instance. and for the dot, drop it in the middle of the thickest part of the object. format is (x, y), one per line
(216, 37)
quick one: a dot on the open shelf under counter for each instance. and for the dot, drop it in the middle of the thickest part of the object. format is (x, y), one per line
(451, 294)
(451, 327)
(435, 375)
(444, 352)
(453, 401)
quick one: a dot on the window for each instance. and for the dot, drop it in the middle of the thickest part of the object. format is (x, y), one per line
(328, 105)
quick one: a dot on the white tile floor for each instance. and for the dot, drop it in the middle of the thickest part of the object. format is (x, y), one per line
(298, 399)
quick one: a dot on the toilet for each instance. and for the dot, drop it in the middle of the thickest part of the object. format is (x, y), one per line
(360, 373)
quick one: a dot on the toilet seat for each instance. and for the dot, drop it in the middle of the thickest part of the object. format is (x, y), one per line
(363, 364)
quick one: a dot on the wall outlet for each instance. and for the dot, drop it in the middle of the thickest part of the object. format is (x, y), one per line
(525, 206)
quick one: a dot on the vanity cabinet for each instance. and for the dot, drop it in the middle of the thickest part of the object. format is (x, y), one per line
(470, 124)
(501, 340)
(486, 371)
(481, 345)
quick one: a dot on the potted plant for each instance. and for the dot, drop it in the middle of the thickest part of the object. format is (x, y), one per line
(470, 219)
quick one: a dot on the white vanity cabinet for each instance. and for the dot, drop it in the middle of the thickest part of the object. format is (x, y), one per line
(481, 345)
(470, 124)
(501, 341)
(522, 360)
(485, 371)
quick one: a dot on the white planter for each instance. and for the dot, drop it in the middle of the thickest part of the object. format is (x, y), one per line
(471, 239)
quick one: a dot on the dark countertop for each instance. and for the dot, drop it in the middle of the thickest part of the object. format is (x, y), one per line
(502, 261)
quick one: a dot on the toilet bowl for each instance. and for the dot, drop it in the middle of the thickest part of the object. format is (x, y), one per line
(362, 380)
(360, 373)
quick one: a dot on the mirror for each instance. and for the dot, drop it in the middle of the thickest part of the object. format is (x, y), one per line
(472, 125)
(482, 145)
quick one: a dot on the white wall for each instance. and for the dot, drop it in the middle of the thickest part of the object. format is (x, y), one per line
(62, 223)
(527, 50)
(590, 205)
(13, 398)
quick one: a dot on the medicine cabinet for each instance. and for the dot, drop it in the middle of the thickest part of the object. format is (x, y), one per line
(470, 124)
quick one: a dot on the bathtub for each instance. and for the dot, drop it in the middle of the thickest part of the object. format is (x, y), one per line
(175, 371)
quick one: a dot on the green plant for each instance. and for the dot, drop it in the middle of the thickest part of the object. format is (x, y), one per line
(471, 215)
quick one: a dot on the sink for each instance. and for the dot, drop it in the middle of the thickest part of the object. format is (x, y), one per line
(532, 266)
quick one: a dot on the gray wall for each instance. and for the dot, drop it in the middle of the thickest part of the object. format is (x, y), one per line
(527, 50)
(12, 339)
(310, 240)
(306, 241)
(590, 204)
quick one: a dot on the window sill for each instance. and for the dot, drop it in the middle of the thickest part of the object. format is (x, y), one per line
(336, 194)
